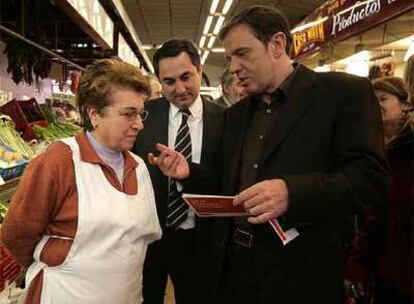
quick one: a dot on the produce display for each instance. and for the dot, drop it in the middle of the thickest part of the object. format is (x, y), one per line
(56, 131)
(4, 206)
(11, 138)
(9, 157)
(65, 112)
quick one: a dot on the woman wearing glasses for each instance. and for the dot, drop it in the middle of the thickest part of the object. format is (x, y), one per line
(84, 211)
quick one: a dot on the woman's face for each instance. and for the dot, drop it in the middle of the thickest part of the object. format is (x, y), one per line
(391, 107)
(120, 122)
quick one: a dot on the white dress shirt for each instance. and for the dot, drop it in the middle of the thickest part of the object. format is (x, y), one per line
(195, 124)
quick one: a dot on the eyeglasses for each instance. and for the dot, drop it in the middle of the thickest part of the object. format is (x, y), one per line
(132, 115)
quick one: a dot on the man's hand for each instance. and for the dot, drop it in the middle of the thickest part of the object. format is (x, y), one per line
(264, 201)
(171, 163)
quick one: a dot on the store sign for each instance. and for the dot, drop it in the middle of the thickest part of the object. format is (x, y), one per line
(340, 19)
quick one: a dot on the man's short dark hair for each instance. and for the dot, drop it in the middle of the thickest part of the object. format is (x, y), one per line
(264, 21)
(173, 48)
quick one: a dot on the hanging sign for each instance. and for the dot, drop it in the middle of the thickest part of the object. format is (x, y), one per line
(338, 20)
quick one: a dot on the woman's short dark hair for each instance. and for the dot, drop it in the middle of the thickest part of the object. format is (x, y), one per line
(392, 85)
(96, 83)
(173, 48)
(264, 21)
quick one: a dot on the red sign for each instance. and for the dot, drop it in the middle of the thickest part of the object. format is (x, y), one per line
(338, 20)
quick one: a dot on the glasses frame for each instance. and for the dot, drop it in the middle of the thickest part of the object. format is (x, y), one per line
(133, 115)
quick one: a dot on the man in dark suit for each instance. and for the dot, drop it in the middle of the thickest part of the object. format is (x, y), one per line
(305, 148)
(181, 119)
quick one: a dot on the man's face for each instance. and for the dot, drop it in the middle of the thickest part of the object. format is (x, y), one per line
(251, 61)
(180, 80)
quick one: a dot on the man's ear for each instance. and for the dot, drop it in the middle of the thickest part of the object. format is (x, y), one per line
(200, 69)
(277, 44)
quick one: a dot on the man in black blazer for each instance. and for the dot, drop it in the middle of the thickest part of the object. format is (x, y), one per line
(177, 65)
(305, 148)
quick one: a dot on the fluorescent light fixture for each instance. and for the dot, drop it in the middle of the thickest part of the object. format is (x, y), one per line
(217, 50)
(323, 68)
(207, 25)
(359, 68)
(218, 25)
(95, 7)
(208, 88)
(213, 7)
(204, 57)
(410, 51)
(305, 26)
(227, 6)
(202, 42)
(147, 47)
(211, 42)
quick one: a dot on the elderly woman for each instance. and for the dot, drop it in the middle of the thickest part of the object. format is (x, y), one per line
(84, 211)
(382, 253)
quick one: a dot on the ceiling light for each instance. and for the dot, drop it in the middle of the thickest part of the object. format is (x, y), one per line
(208, 88)
(204, 57)
(202, 42)
(218, 25)
(323, 68)
(410, 51)
(211, 42)
(358, 68)
(208, 24)
(213, 7)
(217, 50)
(226, 7)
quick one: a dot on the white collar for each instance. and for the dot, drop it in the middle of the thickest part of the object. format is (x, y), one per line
(196, 109)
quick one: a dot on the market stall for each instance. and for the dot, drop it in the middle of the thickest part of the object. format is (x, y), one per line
(352, 36)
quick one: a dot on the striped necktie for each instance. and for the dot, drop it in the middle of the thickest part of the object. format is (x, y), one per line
(177, 209)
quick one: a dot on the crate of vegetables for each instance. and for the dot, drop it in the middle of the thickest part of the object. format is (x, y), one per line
(25, 114)
(12, 162)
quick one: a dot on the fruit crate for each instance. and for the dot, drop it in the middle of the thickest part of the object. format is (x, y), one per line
(9, 269)
(25, 114)
(12, 172)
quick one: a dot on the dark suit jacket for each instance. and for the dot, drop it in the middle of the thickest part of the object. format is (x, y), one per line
(156, 131)
(327, 145)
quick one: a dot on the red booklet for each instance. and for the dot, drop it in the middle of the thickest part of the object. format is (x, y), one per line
(213, 205)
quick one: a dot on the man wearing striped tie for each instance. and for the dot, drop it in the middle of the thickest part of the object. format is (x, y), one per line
(184, 121)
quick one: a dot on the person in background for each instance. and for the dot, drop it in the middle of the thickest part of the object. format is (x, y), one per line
(232, 90)
(381, 258)
(374, 72)
(156, 88)
(409, 78)
(84, 211)
(303, 147)
(184, 120)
